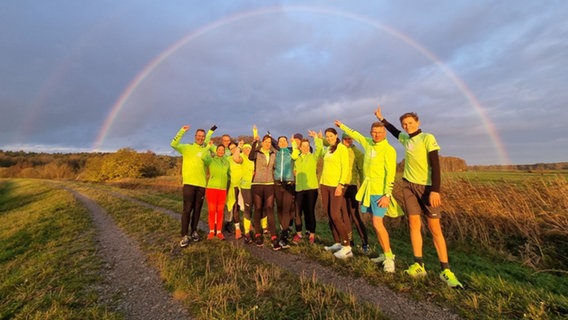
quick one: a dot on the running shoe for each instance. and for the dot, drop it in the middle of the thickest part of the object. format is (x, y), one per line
(211, 235)
(416, 270)
(381, 258)
(184, 241)
(259, 241)
(297, 239)
(450, 279)
(195, 236)
(365, 248)
(312, 239)
(284, 243)
(276, 245)
(344, 253)
(220, 235)
(333, 248)
(388, 264)
(248, 239)
(238, 234)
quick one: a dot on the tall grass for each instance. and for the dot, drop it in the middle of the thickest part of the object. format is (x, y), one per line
(47, 255)
(525, 221)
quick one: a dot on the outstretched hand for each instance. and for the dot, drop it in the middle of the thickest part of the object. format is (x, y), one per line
(312, 133)
(185, 128)
(338, 123)
(378, 113)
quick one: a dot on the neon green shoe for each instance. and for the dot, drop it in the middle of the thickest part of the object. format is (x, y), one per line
(450, 279)
(416, 270)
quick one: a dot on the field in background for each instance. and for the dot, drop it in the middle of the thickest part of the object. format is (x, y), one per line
(506, 236)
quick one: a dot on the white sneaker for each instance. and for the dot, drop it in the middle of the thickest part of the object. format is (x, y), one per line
(388, 265)
(379, 259)
(344, 253)
(334, 248)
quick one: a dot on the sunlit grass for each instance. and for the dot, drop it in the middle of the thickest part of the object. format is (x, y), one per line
(47, 259)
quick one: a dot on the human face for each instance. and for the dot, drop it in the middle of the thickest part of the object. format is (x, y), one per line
(199, 137)
(410, 125)
(378, 134)
(305, 147)
(246, 151)
(266, 144)
(347, 141)
(232, 147)
(331, 138)
(220, 151)
(225, 140)
(283, 142)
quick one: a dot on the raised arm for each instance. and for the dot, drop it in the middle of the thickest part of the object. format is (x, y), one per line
(392, 129)
(177, 139)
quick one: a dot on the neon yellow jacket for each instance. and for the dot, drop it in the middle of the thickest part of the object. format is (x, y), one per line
(193, 168)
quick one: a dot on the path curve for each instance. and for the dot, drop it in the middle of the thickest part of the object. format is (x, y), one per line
(393, 305)
(141, 291)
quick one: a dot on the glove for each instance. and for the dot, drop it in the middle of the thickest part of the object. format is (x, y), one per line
(213, 128)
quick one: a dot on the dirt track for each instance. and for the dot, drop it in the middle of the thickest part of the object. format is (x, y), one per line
(143, 296)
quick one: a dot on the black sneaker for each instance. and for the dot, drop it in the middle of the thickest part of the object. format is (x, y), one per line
(195, 236)
(247, 239)
(259, 241)
(284, 243)
(276, 245)
(228, 227)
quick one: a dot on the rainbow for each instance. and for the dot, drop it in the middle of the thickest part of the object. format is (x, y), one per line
(148, 69)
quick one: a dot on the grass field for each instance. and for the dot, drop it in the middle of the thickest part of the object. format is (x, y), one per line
(503, 260)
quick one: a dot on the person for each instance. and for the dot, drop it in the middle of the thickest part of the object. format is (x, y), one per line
(376, 190)
(305, 168)
(234, 187)
(193, 179)
(351, 204)
(228, 212)
(335, 173)
(216, 190)
(262, 188)
(421, 181)
(247, 168)
(284, 188)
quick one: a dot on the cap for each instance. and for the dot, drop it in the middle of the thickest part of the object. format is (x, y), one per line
(345, 135)
(298, 136)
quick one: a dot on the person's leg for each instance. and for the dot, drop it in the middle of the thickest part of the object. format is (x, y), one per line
(199, 196)
(310, 211)
(353, 209)
(187, 206)
(257, 201)
(299, 204)
(439, 241)
(340, 219)
(247, 211)
(211, 208)
(269, 208)
(220, 206)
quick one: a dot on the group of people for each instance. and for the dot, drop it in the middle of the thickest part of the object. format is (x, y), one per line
(252, 177)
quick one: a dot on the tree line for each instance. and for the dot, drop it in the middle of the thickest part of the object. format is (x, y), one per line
(129, 163)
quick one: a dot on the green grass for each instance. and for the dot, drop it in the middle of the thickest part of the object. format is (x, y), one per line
(47, 256)
(495, 286)
(216, 280)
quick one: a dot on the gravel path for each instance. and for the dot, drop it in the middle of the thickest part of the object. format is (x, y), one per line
(144, 294)
(127, 276)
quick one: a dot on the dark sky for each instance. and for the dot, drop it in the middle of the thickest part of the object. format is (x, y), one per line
(488, 78)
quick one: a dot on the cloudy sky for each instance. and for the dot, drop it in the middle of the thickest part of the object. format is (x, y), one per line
(488, 78)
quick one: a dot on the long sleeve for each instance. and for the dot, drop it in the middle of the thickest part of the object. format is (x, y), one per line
(392, 129)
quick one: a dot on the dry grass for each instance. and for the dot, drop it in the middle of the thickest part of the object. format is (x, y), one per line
(526, 221)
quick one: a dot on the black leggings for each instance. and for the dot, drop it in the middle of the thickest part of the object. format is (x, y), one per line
(306, 205)
(284, 195)
(263, 199)
(247, 199)
(352, 209)
(192, 204)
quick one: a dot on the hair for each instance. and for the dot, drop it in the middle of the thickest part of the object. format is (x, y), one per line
(377, 124)
(285, 138)
(220, 146)
(266, 136)
(199, 130)
(337, 141)
(409, 114)
(232, 142)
